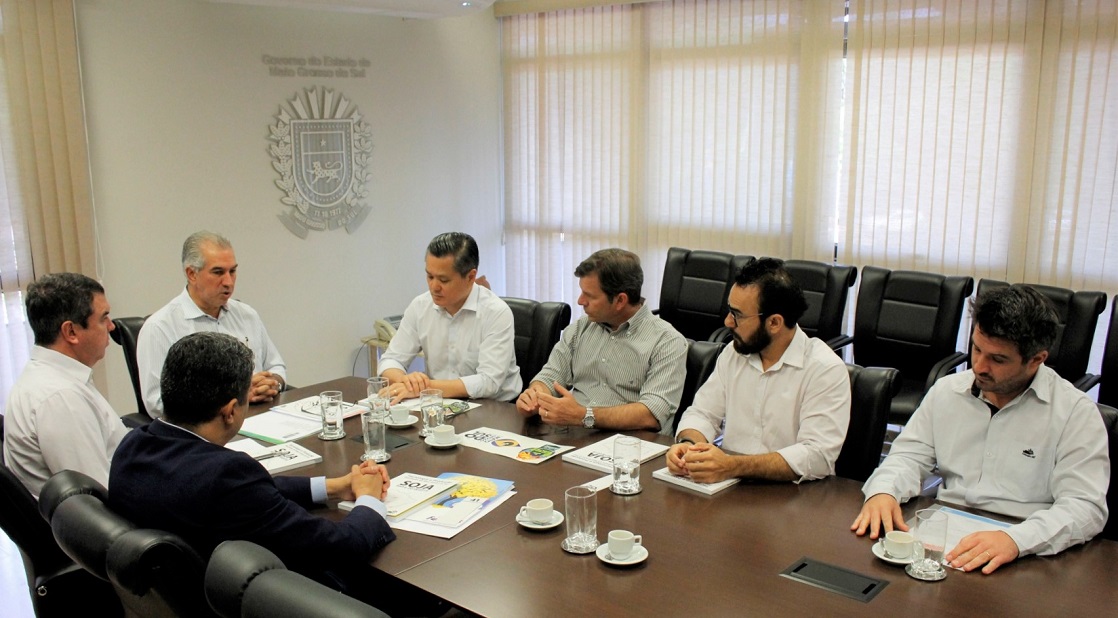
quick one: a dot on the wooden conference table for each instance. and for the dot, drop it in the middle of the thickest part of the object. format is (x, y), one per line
(716, 555)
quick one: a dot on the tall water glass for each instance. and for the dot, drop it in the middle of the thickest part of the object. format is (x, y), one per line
(373, 387)
(626, 466)
(582, 520)
(330, 406)
(931, 537)
(372, 428)
(431, 404)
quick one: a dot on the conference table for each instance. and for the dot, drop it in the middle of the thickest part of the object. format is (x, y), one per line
(717, 555)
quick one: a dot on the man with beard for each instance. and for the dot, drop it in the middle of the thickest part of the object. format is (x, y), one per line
(784, 397)
(1009, 436)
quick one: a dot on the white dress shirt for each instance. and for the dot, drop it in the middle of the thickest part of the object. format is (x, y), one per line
(1043, 458)
(57, 420)
(475, 345)
(181, 317)
(799, 407)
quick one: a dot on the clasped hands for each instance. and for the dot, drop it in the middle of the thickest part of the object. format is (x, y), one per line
(407, 387)
(265, 386)
(553, 410)
(703, 462)
(367, 479)
(989, 550)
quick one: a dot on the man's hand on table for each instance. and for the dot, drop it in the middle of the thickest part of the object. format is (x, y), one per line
(265, 386)
(880, 514)
(990, 548)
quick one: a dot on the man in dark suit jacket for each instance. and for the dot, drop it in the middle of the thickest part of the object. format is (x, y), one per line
(176, 474)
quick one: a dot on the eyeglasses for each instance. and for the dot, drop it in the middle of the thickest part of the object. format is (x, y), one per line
(736, 316)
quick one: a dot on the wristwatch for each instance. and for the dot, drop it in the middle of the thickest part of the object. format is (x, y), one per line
(588, 420)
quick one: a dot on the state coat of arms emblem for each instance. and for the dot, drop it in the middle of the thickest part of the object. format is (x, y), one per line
(320, 148)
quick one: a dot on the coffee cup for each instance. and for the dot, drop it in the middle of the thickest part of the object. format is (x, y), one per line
(399, 414)
(538, 511)
(443, 434)
(897, 544)
(622, 542)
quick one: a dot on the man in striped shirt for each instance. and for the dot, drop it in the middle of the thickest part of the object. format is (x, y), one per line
(618, 367)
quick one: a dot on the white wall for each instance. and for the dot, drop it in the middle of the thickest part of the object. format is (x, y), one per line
(178, 104)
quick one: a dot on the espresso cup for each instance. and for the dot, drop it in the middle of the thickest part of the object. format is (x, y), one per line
(443, 434)
(897, 544)
(399, 414)
(622, 542)
(538, 511)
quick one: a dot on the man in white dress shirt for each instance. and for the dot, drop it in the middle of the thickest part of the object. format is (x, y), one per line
(207, 305)
(464, 330)
(1008, 436)
(784, 397)
(56, 419)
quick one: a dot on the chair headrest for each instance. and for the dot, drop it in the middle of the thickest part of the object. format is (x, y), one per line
(85, 529)
(65, 484)
(233, 566)
(141, 559)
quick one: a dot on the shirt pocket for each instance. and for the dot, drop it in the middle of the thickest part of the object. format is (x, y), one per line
(1024, 470)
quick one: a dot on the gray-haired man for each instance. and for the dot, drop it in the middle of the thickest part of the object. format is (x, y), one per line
(207, 305)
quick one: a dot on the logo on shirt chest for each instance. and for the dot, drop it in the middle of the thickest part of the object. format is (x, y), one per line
(1029, 453)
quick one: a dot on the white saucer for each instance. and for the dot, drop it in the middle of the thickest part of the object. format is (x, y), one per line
(556, 519)
(431, 443)
(879, 551)
(408, 422)
(637, 556)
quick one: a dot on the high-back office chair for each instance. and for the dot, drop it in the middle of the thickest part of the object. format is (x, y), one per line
(153, 572)
(701, 359)
(694, 290)
(537, 327)
(245, 580)
(58, 587)
(1108, 378)
(826, 287)
(1078, 315)
(909, 321)
(1110, 420)
(127, 334)
(871, 392)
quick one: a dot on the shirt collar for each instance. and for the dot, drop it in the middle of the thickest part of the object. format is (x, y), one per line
(795, 355)
(183, 429)
(70, 366)
(1041, 387)
(471, 304)
(191, 310)
(633, 323)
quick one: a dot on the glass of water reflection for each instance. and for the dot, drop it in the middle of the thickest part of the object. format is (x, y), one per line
(931, 537)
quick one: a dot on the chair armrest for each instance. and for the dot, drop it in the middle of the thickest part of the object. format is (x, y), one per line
(839, 342)
(944, 367)
(1087, 382)
(722, 335)
(656, 311)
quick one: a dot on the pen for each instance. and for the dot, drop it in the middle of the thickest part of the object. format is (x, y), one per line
(278, 453)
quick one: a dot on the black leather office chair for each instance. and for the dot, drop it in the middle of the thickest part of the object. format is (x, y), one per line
(153, 572)
(1110, 419)
(244, 580)
(826, 288)
(537, 328)
(701, 359)
(1078, 314)
(57, 585)
(1108, 378)
(909, 321)
(127, 333)
(871, 391)
(694, 290)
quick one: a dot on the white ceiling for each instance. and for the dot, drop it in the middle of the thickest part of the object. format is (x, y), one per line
(415, 9)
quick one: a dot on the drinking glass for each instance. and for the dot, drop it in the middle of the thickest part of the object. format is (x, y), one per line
(330, 406)
(626, 466)
(931, 537)
(582, 520)
(374, 386)
(431, 404)
(372, 429)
